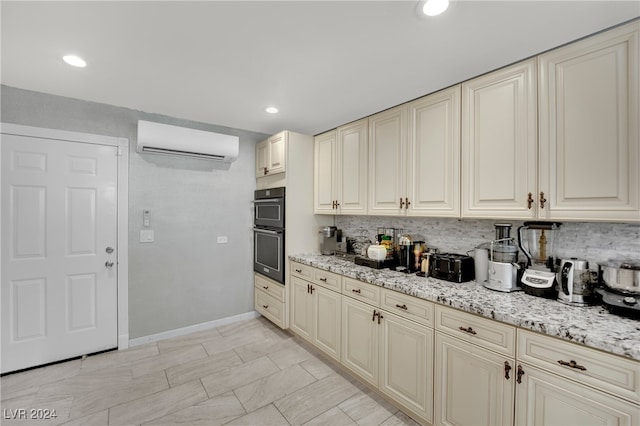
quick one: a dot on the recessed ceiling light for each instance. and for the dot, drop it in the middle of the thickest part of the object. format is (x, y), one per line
(74, 60)
(435, 7)
(272, 110)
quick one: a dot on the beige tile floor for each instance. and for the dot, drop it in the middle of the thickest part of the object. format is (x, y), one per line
(246, 373)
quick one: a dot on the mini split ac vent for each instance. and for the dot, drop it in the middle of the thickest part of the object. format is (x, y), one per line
(160, 138)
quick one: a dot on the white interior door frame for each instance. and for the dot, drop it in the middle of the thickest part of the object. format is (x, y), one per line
(123, 206)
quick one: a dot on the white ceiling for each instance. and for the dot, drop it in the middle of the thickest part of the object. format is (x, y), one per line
(322, 64)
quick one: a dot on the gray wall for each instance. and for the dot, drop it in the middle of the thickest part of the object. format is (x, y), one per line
(594, 241)
(184, 277)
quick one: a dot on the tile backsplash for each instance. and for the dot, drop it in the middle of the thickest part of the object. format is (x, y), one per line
(593, 241)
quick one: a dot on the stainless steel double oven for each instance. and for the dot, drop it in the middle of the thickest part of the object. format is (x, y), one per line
(268, 233)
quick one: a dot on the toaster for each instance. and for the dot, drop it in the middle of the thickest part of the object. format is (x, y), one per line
(452, 267)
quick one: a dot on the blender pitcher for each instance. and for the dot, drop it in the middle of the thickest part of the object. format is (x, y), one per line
(536, 240)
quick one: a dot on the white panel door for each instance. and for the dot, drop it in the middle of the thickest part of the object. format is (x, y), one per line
(59, 269)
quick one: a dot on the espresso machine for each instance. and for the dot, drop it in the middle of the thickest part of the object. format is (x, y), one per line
(536, 240)
(330, 240)
(503, 268)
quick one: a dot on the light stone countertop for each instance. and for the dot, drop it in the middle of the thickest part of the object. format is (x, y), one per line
(591, 326)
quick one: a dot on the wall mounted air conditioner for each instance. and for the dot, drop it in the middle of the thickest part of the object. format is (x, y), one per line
(166, 139)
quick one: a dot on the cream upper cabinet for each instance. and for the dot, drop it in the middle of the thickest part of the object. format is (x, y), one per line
(433, 155)
(499, 143)
(387, 152)
(589, 143)
(340, 170)
(324, 173)
(271, 155)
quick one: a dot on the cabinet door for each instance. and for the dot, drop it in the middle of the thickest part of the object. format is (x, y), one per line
(301, 308)
(387, 147)
(327, 312)
(360, 339)
(277, 153)
(406, 364)
(544, 399)
(470, 383)
(261, 158)
(433, 162)
(499, 142)
(351, 159)
(324, 173)
(589, 149)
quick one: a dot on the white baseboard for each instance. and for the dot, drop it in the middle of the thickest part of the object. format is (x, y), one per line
(123, 341)
(192, 328)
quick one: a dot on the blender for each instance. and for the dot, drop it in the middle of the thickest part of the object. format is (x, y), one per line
(503, 257)
(536, 240)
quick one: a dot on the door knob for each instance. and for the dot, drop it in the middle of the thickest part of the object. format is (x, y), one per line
(108, 264)
(109, 250)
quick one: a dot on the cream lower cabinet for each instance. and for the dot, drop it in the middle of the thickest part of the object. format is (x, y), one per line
(388, 351)
(545, 399)
(564, 384)
(316, 315)
(270, 299)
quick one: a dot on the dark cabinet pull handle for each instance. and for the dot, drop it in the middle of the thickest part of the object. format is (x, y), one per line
(530, 201)
(572, 364)
(520, 374)
(379, 317)
(299, 271)
(542, 200)
(507, 369)
(266, 287)
(403, 306)
(468, 330)
(265, 171)
(265, 306)
(308, 285)
(374, 315)
(401, 203)
(312, 289)
(406, 203)
(356, 290)
(323, 279)
(333, 204)
(337, 204)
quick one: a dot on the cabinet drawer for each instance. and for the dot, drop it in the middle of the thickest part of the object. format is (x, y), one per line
(365, 292)
(302, 271)
(327, 279)
(410, 307)
(474, 329)
(607, 372)
(270, 307)
(270, 287)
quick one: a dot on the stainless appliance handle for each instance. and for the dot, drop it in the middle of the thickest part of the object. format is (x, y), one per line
(267, 231)
(267, 200)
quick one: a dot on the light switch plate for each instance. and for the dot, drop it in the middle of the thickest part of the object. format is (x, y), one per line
(223, 240)
(146, 235)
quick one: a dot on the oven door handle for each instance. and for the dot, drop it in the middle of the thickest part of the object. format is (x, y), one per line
(267, 200)
(267, 231)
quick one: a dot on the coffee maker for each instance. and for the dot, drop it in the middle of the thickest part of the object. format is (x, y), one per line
(330, 240)
(536, 240)
(502, 273)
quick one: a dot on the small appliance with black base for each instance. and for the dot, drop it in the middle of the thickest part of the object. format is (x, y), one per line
(619, 287)
(536, 240)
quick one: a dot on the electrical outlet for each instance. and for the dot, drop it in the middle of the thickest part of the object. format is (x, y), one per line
(146, 235)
